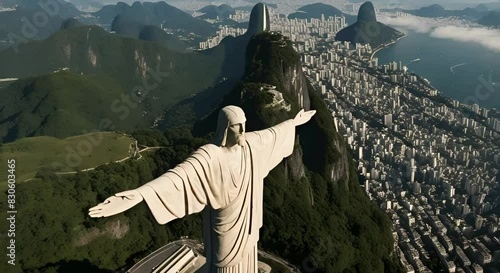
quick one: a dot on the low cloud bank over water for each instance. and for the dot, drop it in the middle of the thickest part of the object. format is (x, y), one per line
(489, 38)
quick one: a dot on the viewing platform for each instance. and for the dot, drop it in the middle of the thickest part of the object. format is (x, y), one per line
(186, 256)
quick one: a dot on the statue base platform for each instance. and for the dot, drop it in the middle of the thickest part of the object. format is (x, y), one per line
(183, 256)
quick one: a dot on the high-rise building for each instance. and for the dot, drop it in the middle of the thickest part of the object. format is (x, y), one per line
(388, 120)
(417, 189)
(478, 223)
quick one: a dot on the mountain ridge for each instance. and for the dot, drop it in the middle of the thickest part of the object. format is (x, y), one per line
(127, 27)
(492, 19)
(156, 13)
(86, 50)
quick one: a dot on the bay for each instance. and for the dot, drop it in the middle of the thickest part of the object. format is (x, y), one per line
(459, 70)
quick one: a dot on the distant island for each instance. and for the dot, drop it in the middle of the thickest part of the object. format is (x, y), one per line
(438, 11)
(368, 31)
(492, 19)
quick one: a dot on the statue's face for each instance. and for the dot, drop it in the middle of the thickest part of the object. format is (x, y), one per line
(236, 134)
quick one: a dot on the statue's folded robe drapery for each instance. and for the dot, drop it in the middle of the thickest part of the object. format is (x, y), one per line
(233, 216)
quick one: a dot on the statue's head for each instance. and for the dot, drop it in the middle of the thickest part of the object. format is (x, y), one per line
(230, 127)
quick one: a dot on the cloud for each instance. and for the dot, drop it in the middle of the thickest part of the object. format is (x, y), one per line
(442, 29)
(414, 23)
(488, 38)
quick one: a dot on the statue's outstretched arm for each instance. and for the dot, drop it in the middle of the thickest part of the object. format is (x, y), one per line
(303, 117)
(118, 203)
(182, 190)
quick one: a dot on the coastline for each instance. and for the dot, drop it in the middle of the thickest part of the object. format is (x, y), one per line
(386, 45)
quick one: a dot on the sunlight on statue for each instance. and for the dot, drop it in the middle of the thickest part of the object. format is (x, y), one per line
(225, 180)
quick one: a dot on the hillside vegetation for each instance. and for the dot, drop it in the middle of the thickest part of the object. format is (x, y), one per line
(316, 215)
(102, 68)
(34, 154)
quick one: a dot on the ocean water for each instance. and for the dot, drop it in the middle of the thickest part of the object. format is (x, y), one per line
(460, 70)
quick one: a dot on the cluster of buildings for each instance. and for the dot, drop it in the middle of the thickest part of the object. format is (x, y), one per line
(432, 163)
(240, 16)
(221, 33)
(303, 29)
(296, 29)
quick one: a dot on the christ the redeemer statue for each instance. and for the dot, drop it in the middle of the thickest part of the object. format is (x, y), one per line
(225, 180)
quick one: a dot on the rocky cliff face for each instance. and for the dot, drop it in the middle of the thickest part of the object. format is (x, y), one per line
(295, 84)
(272, 60)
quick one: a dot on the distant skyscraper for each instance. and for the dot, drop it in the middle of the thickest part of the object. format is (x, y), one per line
(388, 120)
(478, 222)
(412, 174)
(417, 189)
(394, 66)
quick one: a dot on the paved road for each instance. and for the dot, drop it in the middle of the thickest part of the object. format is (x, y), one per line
(290, 266)
(147, 264)
(117, 161)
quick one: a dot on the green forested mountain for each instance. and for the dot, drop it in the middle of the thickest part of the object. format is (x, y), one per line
(43, 152)
(126, 27)
(23, 23)
(63, 8)
(158, 13)
(90, 49)
(492, 19)
(155, 34)
(71, 23)
(436, 10)
(13, 27)
(63, 104)
(234, 50)
(132, 65)
(315, 213)
(102, 67)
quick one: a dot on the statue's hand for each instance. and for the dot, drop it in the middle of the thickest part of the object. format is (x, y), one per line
(303, 117)
(118, 203)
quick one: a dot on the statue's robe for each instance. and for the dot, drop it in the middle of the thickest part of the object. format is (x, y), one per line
(232, 202)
